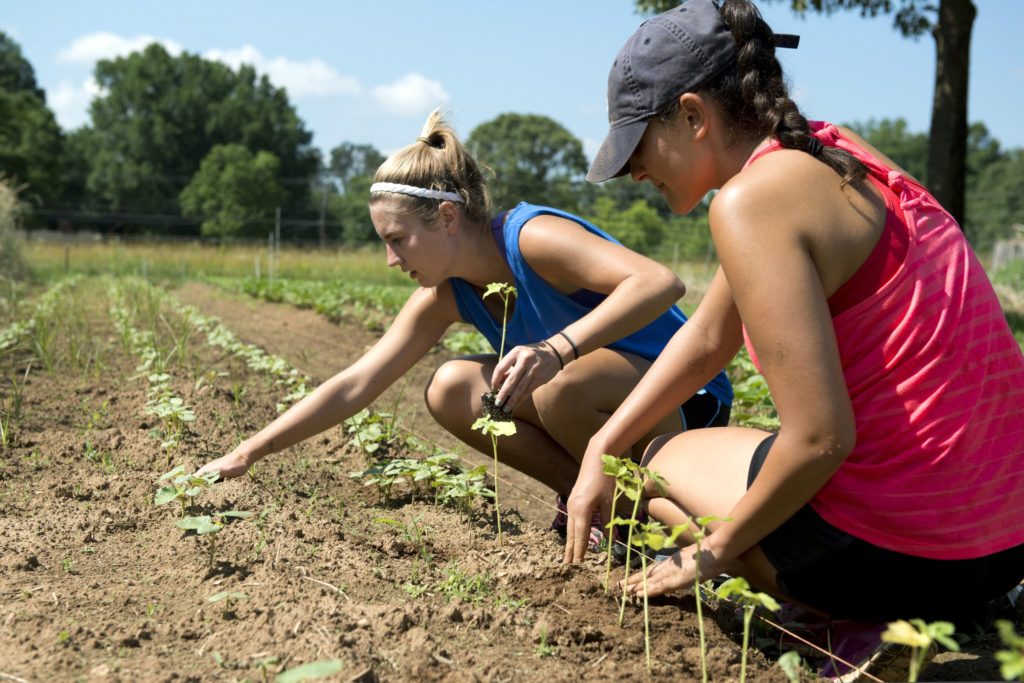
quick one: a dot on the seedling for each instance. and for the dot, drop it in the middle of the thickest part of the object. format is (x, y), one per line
(1011, 660)
(699, 534)
(210, 526)
(183, 487)
(652, 535)
(467, 587)
(738, 588)
(495, 423)
(629, 481)
(10, 408)
(920, 637)
(494, 429)
(227, 597)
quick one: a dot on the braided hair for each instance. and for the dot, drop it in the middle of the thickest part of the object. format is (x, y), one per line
(436, 161)
(755, 98)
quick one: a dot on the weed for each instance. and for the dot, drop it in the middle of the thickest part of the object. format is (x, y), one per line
(1011, 660)
(738, 588)
(372, 430)
(102, 459)
(544, 649)
(467, 587)
(920, 636)
(308, 672)
(67, 566)
(699, 534)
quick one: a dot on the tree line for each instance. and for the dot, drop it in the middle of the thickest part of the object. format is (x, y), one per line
(191, 147)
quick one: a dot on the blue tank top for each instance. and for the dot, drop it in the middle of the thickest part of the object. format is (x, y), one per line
(541, 310)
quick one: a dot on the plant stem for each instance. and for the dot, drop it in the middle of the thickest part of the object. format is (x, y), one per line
(497, 507)
(629, 547)
(647, 616)
(748, 612)
(611, 538)
(700, 615)
(915, 663)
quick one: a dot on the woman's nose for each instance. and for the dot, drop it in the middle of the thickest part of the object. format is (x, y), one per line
(393, 259)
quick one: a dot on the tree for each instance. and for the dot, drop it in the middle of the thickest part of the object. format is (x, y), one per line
(892, 138)
(162, 115)
(950, 23)
(16, 73)
(349, 160)
(30, 144)
(234, 193)
(995, 202)
(534, 159)
(352, 211)
(30, 139)
(639, 227)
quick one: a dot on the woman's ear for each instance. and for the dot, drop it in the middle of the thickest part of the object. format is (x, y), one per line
(450, 216)
(693, 115)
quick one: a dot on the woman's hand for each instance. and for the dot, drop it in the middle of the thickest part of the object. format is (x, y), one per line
(232, 465)
(521, 372)
(592, 493)
(677, 572)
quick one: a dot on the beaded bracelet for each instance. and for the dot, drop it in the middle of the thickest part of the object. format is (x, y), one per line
(575, 349)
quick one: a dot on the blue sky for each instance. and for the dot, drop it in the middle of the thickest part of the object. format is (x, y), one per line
(368, 72)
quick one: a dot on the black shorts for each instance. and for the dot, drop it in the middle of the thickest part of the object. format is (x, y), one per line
(828, 569)
(704, 410)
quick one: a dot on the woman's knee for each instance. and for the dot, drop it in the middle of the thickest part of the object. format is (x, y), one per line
(452, 386)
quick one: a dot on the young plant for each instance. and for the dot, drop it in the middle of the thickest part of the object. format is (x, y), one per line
(1011, 660)
(10, 408)
(920, 637)
(227, 597)
(613, 467)
(699, 534)
(494, 429)
(495, 423)
(183, 487)
(738, 589)
(210, 526)
(652, 536)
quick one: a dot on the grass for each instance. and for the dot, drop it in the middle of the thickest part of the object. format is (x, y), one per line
(183, 260)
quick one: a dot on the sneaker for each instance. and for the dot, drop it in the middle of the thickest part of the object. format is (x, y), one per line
(861, 645)
(561, 525)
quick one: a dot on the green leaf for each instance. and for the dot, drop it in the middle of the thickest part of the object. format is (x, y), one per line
(238, 514)
(310, 671)
(165, 495)
(179, 470)
(790, 664)
(227, 595)
(201, 525)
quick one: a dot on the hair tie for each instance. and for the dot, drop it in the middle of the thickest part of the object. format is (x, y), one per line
(575, 349)
(814, 146)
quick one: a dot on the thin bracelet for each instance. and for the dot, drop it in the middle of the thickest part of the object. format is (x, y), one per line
(561, 363)
(575, 349)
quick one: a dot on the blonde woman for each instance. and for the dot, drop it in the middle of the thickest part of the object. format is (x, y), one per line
(589, 318)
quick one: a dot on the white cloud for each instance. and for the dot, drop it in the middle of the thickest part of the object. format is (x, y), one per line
(411, 95)
(312, 78)
(89, 48)
(70, 102)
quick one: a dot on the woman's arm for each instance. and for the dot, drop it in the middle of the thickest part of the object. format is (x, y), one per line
(570, 258)
(418, 326)
(694, 355)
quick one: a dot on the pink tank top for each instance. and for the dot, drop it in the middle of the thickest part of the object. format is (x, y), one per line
(936, 381)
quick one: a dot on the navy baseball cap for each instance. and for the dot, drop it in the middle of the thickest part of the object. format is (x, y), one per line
(668, 55)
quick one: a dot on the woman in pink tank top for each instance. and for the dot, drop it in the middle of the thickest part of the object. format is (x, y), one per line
(896, 474)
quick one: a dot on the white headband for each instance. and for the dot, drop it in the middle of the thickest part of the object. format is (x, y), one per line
(416, 191)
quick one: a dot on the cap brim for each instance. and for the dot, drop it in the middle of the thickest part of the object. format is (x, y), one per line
(612, 159)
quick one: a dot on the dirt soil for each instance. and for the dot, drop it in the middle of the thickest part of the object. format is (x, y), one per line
(98, 584)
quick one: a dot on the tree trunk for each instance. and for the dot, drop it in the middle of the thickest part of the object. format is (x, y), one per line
(947, 146)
